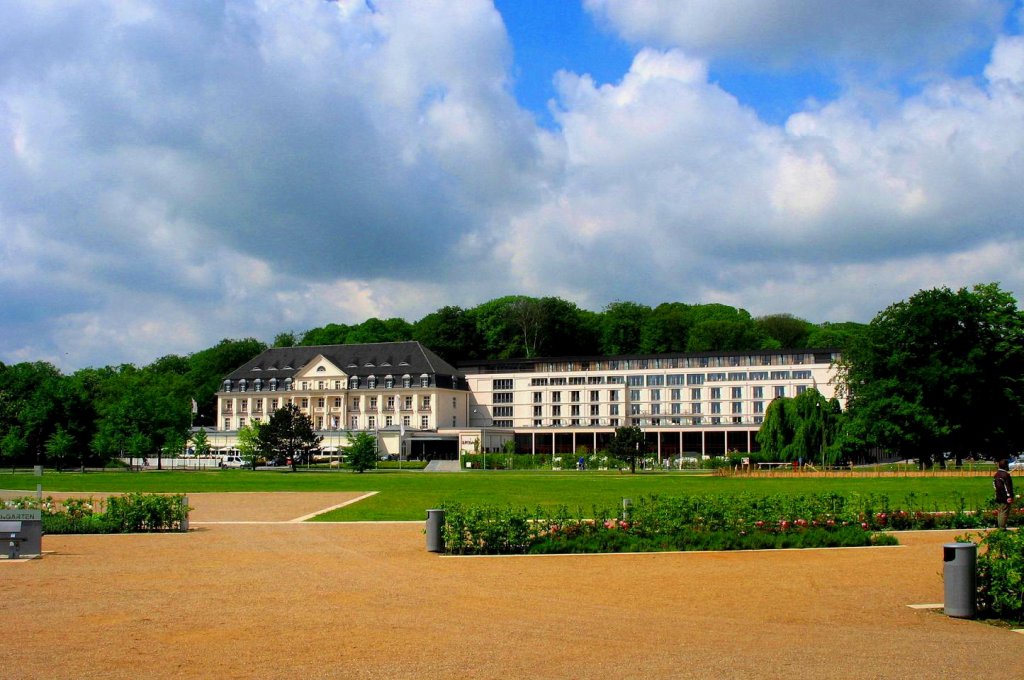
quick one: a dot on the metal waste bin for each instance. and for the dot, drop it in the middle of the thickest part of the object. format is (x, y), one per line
(958, 574)
(435, 539)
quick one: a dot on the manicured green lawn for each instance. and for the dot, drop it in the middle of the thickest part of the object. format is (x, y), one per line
(407, 495)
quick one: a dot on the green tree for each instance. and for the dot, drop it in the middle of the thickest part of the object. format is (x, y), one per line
(628, 443)
(207, 369)
(622, 327)
(285, 339)
(361, 452)
(59, 447)
(13, 446)
(939, 372)
(250, 443)
(450, 332)
(804, 427)
(788, 331)
(289, 433)
(201, 443)
(667, 328)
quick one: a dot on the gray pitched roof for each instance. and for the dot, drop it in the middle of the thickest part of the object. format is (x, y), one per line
(377, 358)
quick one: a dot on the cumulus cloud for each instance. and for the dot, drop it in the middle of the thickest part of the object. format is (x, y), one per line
(786, 33)
(171, 174)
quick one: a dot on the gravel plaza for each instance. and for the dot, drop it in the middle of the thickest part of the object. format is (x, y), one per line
(249, 592)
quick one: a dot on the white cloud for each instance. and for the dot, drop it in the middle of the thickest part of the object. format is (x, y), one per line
(173, 174)
(795, 32)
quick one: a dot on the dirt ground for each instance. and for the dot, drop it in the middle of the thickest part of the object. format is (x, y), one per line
(289, 599)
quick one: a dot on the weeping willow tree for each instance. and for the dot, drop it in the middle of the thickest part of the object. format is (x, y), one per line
(801, 428)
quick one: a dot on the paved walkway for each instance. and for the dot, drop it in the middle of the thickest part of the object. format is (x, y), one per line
(367, 601)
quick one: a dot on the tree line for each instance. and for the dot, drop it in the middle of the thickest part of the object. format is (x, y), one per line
(938, 372)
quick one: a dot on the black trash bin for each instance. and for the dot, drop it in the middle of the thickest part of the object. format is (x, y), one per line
(958, 576)
(435, 538)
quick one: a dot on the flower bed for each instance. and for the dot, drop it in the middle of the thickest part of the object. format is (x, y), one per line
(662, 523)
(130, 513)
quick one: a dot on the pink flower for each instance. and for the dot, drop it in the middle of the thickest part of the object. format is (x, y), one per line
(863, 525)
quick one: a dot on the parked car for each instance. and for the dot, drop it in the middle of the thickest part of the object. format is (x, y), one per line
(1017, 464)
(232, 462)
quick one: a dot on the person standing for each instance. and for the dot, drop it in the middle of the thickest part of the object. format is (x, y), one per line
(1003, 484)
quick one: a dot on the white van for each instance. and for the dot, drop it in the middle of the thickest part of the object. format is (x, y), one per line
(232, 461)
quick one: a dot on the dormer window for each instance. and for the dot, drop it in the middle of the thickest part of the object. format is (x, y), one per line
(241, 385)
(353, 382)
(257, 385)
(424, 380)
(227, 385)
(287, 384)
(389, 382)
(273, 384)
(321, 369)
(406, 380)
(371, 382)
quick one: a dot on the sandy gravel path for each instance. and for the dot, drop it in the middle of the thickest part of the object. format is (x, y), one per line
(367, 601)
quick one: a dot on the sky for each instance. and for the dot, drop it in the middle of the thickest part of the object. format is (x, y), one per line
(175, 173)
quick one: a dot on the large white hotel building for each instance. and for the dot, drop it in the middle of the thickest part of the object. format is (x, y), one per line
(420, 406)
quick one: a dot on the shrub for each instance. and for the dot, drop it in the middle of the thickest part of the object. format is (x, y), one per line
(1000, 575)
(133, 512)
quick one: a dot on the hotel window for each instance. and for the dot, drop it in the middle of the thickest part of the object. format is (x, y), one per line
(503, 412)
(538, 411)
(407, 404)
(595, 395)
(574, 395)
(594, 410)
(353, 423)
(780, 391)
(695, 394)
(695, 379)
(502, 384)
(634, 395)
(655, 409)
(538, 397)
(556, 397)
(675, 394)
(758, 407)
(320, 402)
(371, 422)
(537, 423)
(406, 420)
(502, 397)
(305, 402)
(425, 404)
(614, 422)
(800, 389)
(655, 380)
(337, 384)
(758, 392)
(737, 407)
(716, 407)
(373, 403)
(737, 393)
(337, 402)
(320, 384)
(389, 421)
(695, 408)
(716, 377)
(780, 375)
(243, 405)
(676, 409)
(613, 409)
(391, 403)
(758, 375)
(613, 395)
(320, 422)
(635, 380)
(455, 402)
(801, 375)
(556, 410)
(273, 404)
(716, 392)
(305, 385)
(574, 410)
(355, 404)
(634, 409)
(424, 422)
(655, 395)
